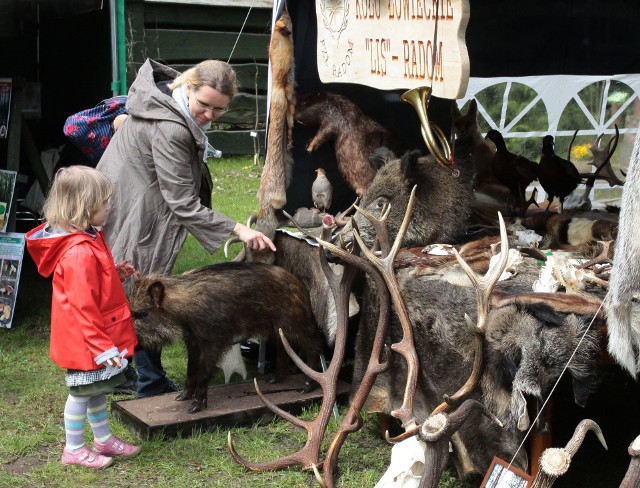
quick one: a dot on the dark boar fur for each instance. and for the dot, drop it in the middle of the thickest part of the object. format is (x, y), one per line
(443, 202)
(526, 349)
(353, 133)
(216, 306)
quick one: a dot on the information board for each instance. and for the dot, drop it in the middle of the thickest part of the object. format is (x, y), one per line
(393, 44)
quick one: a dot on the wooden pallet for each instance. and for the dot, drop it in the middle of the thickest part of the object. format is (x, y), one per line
(229, 405)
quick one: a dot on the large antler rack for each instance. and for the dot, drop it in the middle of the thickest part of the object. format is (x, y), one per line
(308, 455)
(483, 286)
(385, 266)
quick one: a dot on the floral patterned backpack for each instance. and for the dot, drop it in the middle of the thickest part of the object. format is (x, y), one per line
(91, 129)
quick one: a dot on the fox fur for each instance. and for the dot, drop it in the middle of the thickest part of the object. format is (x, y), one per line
(277, 172)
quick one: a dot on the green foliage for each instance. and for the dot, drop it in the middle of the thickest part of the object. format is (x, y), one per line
(235, 185)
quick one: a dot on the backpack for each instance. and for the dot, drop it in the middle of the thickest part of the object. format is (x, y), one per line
(92, 129)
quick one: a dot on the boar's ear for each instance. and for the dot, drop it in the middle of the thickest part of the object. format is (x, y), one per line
(156, 292)
(381, 156)
(408, 165)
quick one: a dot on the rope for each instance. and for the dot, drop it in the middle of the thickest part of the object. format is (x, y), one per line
(239, 34)
(555, 385)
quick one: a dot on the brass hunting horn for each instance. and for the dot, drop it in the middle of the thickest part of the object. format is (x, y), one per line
(432, 134)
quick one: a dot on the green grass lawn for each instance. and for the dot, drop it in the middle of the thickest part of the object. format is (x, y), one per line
(33, 392)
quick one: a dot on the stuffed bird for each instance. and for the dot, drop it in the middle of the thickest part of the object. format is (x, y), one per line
(321, 191)
(557, 176)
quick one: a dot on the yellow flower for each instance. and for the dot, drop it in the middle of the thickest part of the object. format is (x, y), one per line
(580, 151)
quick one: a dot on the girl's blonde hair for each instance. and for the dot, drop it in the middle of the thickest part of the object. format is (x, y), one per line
(76, 193)
(212, 72)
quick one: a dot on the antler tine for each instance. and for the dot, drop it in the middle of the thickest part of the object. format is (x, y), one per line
(472, 381)
(603, 257)
(484, 285)
(304, 231)
(581, 431)
(340, 217)
(555, 461)
(379, 224)
(319, 477)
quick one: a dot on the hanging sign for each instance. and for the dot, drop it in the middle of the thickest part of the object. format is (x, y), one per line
(392, 44)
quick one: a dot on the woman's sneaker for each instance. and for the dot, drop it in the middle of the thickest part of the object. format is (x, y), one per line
(86, 457)
(116, 447)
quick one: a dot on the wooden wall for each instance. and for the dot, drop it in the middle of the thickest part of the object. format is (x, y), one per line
(183, 34)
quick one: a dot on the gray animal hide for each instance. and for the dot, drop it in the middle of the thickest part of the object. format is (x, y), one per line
(526, 350)
(622, 299)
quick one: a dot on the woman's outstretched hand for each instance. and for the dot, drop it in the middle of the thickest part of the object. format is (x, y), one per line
(252, 238)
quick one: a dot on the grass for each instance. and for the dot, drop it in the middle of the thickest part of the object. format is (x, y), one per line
(32, 396)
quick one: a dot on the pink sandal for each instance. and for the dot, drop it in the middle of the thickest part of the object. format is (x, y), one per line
(86, 457)
(116, 447)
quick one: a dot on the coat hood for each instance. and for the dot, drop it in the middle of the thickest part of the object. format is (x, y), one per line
(47, 246)
(149, 98)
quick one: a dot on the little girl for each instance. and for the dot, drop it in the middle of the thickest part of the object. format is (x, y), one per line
(91, 324)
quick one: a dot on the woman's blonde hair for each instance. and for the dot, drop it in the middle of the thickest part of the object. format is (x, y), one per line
(212, 72)
(76, 193)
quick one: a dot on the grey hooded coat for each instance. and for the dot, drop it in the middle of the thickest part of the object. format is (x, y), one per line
(155, 161)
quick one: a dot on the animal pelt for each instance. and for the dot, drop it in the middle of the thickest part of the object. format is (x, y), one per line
(353, 133)
(213, 307)
(276, 174)
(570, 230)
(622, 299)
(526, 348)
(442, 204)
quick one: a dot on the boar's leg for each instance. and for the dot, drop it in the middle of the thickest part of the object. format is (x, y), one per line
(192, 369)
(201, 363)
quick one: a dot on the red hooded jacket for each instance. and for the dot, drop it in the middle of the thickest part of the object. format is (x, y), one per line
(89, 310)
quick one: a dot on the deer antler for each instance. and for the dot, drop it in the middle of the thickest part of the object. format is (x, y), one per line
(602, 161)
(484, 286)
(406, 346)
(632, 477)
(555, 462)
(308, 455)
(603, 257)
(437, 430)
(352, 420)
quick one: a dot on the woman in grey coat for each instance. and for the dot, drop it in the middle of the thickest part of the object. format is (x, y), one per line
(156, 161)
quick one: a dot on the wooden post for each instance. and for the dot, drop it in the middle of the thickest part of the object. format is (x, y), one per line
(539, 441)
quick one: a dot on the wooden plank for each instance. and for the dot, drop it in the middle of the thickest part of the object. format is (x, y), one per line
(242, 110)
(177, 46)
(137, 51)
(222, 3)
(237, 142)
(248, 74)
(230, 405)
(208, 17)
(252, 76)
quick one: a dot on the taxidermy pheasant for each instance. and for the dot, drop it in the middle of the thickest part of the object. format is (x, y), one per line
(321, 191)
(512, 170)
(558, 176)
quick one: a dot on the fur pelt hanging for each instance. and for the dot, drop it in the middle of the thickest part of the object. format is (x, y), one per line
(623, 314)
(276, 174)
